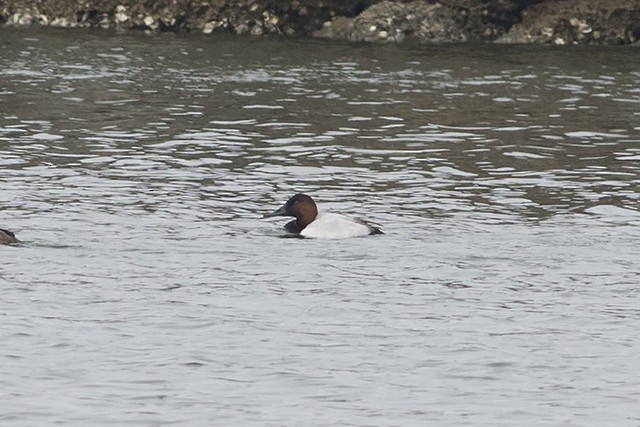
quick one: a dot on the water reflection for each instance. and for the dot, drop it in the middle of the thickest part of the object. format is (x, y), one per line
(448, 134)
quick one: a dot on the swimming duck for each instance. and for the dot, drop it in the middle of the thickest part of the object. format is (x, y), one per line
(7, 237)
(309, 223)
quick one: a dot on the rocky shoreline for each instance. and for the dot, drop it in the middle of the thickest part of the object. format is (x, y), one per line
(558, 22)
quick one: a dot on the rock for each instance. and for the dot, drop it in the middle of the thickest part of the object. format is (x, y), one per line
(121, 15)
(209, 27)
(393, 22)
(427, 21)
(578, 21)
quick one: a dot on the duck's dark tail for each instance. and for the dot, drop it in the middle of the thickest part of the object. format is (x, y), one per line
(375, 230)
(7, 237)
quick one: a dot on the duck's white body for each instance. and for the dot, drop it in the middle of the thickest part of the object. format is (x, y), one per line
(335, 226)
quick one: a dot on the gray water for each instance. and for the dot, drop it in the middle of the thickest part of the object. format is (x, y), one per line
(148, 290)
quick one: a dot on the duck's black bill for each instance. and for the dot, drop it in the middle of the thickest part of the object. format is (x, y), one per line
(279, 212)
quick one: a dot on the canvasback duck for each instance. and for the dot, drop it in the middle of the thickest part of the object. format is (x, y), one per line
(309, 223)
(7, 237)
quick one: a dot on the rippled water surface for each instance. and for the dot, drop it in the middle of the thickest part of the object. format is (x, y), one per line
(148, 290)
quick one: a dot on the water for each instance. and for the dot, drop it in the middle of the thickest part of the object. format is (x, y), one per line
(148, 290)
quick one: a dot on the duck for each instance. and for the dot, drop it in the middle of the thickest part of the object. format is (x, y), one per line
(309, 222)
(7, 237)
